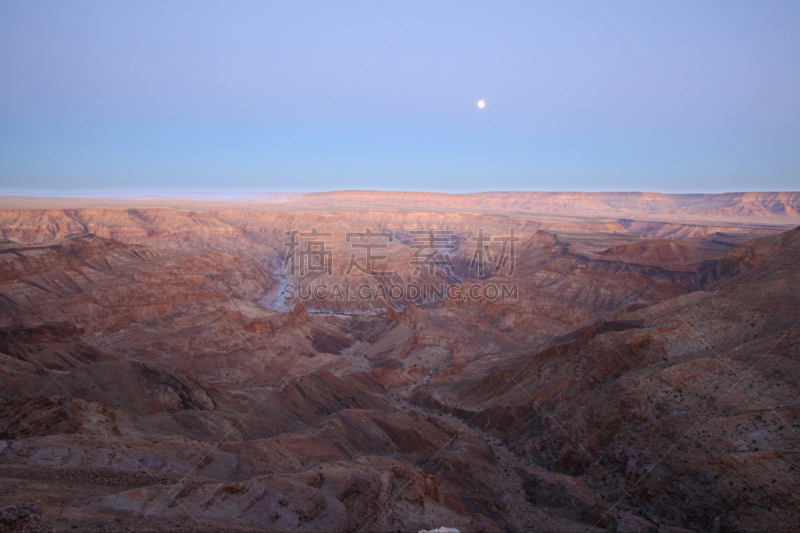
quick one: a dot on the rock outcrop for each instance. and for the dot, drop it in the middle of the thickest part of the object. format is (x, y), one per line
(156, 374)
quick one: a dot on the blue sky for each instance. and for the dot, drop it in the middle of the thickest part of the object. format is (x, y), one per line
(310, 96)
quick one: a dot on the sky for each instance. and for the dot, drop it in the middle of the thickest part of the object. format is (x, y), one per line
(101, 98)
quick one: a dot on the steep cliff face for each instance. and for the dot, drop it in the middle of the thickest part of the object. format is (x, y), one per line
(656, 252)
(85, 299)
(96, 280)
(685, 409)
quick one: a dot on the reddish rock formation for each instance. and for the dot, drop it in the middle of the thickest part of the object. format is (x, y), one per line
(656, 252)
(152, 376)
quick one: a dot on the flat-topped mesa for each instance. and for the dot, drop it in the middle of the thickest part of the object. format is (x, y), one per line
(775, 207)
(656, 252)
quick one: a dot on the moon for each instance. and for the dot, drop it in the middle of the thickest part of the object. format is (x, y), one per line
(481, 104)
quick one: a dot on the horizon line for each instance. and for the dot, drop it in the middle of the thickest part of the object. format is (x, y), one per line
(249, 197)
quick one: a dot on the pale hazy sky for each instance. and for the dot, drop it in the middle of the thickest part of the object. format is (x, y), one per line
(695, 85)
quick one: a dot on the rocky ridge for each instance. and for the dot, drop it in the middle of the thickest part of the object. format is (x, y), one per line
(633, 384)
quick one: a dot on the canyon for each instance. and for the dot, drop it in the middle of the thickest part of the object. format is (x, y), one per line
(508, 362)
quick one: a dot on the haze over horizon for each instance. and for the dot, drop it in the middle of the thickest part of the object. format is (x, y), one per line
(262, 195)
(139, 97)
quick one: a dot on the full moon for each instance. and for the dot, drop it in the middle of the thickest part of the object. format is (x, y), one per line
(481, 104)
